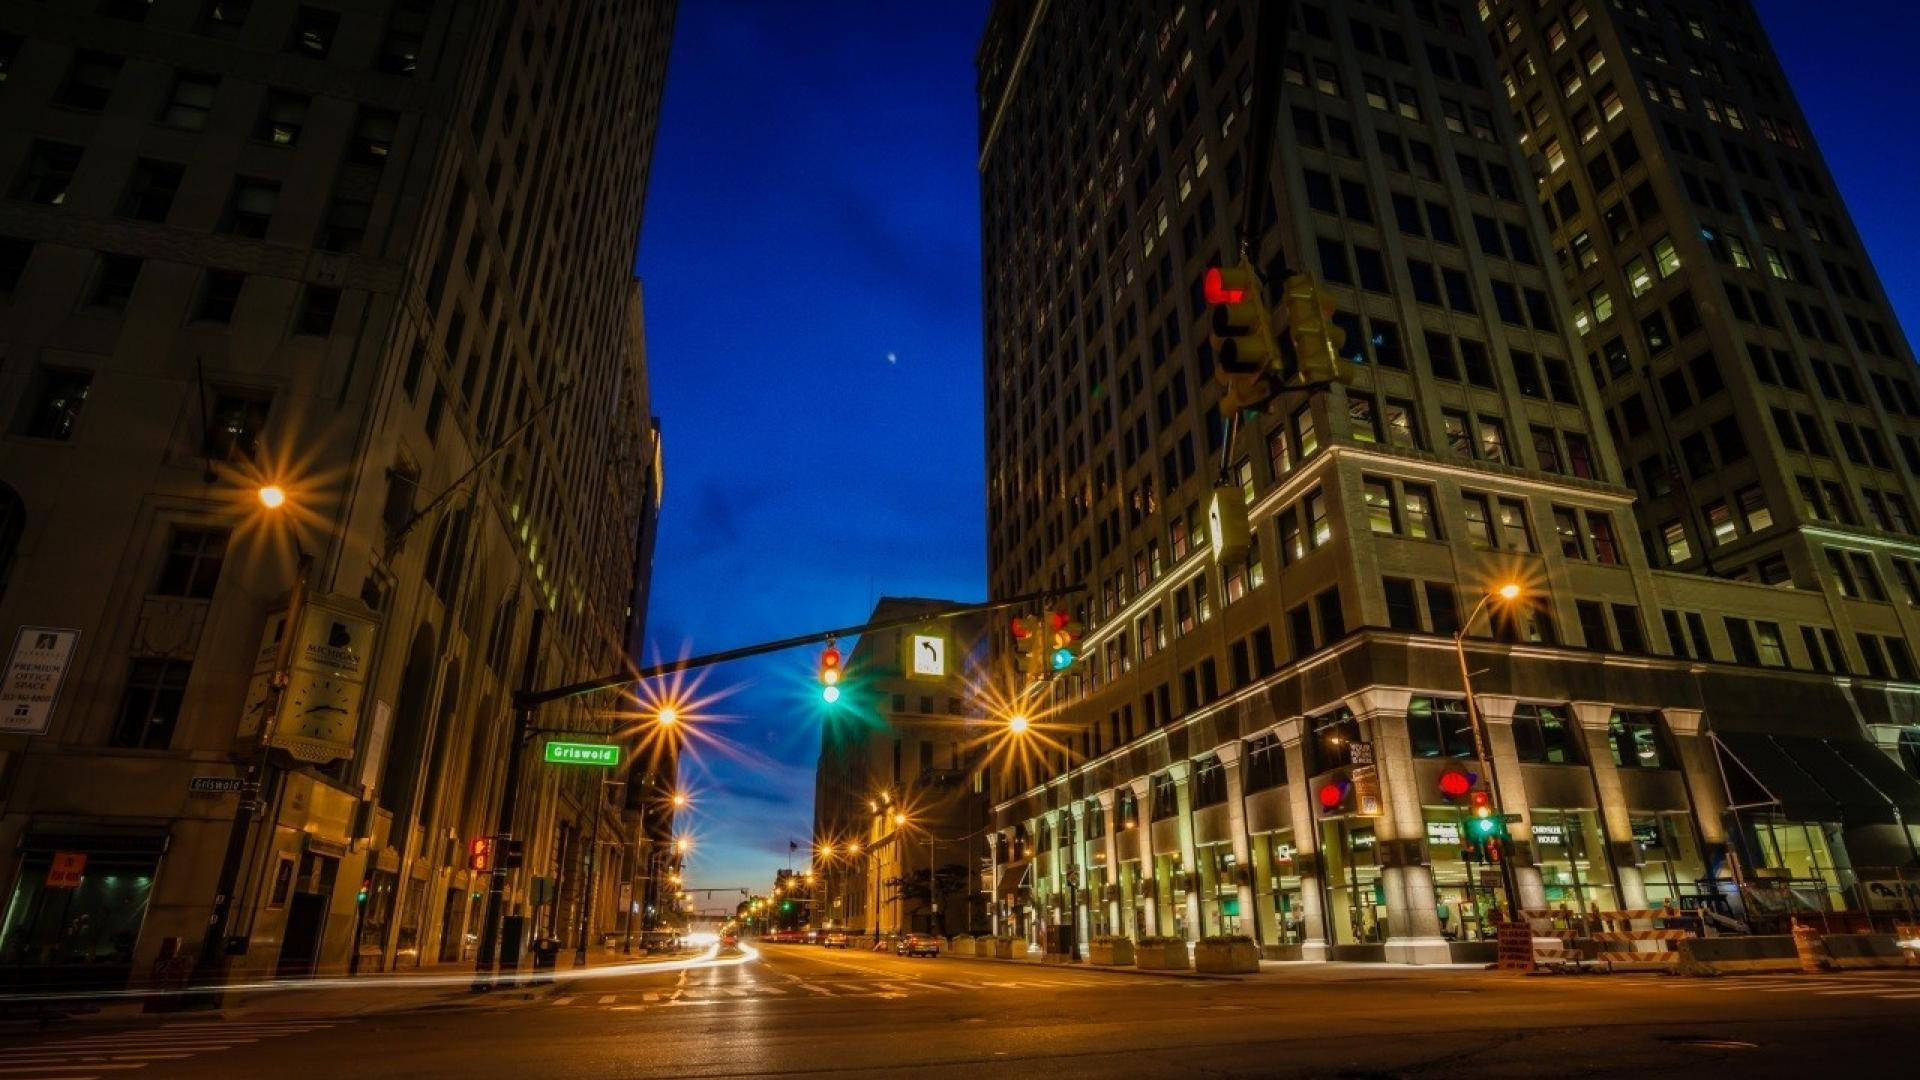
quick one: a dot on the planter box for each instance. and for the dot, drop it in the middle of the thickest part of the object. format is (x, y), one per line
(1222, 958)
(962, 945)
(1168, 957)
(1111, 954)
(1003, 947)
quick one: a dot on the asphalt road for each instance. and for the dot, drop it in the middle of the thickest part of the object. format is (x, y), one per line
(803, 1010)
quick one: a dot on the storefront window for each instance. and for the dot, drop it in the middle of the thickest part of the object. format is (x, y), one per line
(1801, 850)
(1571, 854)
(81, 935)
(1639, 742)
(1464, 890)
(1132, 909)
(1170, 888)
(1266, 763)
(1099, 912)
(1438, 727)
(1333, 735)
(1673, 869)
(1219, 894)
(1276, 889)
(1356, 900)
(1544, 734)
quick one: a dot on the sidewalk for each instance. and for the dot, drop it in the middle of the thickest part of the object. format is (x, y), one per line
(429, 986)
(1270, 970)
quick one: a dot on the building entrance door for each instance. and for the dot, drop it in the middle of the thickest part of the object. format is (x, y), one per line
(307, 916)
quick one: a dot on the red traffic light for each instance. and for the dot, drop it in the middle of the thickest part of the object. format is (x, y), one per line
(480, 854)
(1218, 291)
(829, 657)
(1480, 802)
(1455, 782)
(1058, 620)
(1020, 628)
(1332, 794)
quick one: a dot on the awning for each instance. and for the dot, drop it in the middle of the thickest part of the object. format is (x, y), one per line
(1805, 778)
(1898, 785)
(1012, 876)
(1760, 775)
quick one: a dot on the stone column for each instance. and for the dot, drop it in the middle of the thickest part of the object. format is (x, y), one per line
(1593, 718)
(1237, 833)
(1413, 923)
(1182, 774)
(1705, 793)
(993, 898)
(1306, 839)
(1078, 816)
(1497, 714)
(1142, 792)
(1109, 843)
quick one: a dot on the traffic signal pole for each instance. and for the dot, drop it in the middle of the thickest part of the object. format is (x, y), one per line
(527, 701)
(1272, 22)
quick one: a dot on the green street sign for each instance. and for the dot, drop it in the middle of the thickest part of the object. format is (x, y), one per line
(577, 753)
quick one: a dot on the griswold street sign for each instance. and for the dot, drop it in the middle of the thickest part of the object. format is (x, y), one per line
(574, 753)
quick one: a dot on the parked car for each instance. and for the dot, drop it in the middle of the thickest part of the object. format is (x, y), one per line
(834, 940)
(917, 945)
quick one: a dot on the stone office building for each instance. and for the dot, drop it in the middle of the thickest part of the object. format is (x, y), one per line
(1255, 747)
(379, 255)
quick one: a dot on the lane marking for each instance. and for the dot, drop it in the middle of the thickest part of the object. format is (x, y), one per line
(651, 996)
(563, 1001)
(608, 999)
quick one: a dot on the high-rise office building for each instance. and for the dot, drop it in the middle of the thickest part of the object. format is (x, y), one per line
(1259, 746)
(379, 257)
(896, 787)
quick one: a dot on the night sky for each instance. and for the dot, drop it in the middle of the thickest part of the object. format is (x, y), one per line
(812, 273)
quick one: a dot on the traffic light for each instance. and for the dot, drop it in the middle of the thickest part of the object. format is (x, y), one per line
(513, 854)
(830, 672)
(366, 887)
(1246, 354)
(1064, 633)
(1486, 830)
(480, 853)
(1029, 659)
(1316, 339)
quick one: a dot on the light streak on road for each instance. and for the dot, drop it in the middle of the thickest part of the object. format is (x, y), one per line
(709, 958)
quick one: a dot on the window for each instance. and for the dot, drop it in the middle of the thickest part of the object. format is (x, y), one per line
(1566, 528)
(1166, 798)
(1439, 728)
(1493, 440)
(1401, 428)
(282, 118)
(1479, 520)
(1544, 735)
(1319, 526)
(1638, 741)
(345, 225)
(234, 426)
(1593, 624)
(1416, 506)
(219, 294)
(89, 80)
(250, 207)
(190, 100)
(48, 173)
(1442, 609)
(373, 134)
(1600, 537)
(113, 282)
(1266, 763)
(192, 566)
(150, 190)
(1381, 515)
(313, 33)
(406, 32)
(1209, 782)
(1515, 533)
(1402, 611)
(1674, 535)
(14, 253)
(56, 400)
(150, 705)
(1363, 417)
(317, 310)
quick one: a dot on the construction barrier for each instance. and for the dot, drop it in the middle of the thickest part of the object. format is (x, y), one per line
(1611, 935)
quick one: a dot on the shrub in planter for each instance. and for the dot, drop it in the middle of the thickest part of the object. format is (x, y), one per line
(1003, 947)
(1161, 954)
(961, 945)
(1108, 950)
(1227, 954)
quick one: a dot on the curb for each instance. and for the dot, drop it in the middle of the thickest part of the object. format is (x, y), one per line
(1039, 965)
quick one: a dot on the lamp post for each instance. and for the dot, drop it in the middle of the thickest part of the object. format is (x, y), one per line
(1505, 593)
(260, 774)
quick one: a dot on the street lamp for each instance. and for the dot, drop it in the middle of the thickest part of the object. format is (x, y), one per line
(1018, 723)
(667, 716)
(272, 496)
(1506, 593)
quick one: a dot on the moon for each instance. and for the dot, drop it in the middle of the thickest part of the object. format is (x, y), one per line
(892, 357)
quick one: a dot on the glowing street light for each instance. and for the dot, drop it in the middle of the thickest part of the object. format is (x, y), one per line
(1506, 593)
(667, 716)
(1018, 723)
(272, 496)
(682, 844)
(1509, 591)
(679, 800)
(899, 818)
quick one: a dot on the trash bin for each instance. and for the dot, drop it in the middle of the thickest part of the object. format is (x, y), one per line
(546, 951)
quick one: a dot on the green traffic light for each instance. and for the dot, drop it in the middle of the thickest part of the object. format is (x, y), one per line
(830, 694)
(1062, 659)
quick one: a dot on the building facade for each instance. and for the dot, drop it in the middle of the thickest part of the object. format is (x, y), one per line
(1255, 747)
(379, 256)
(900, 805)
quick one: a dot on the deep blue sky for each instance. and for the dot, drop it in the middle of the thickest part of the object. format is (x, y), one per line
(813, 209)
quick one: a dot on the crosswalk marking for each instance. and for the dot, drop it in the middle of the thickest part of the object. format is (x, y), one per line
(651, 996)
(136, 1048)
(608, 999)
